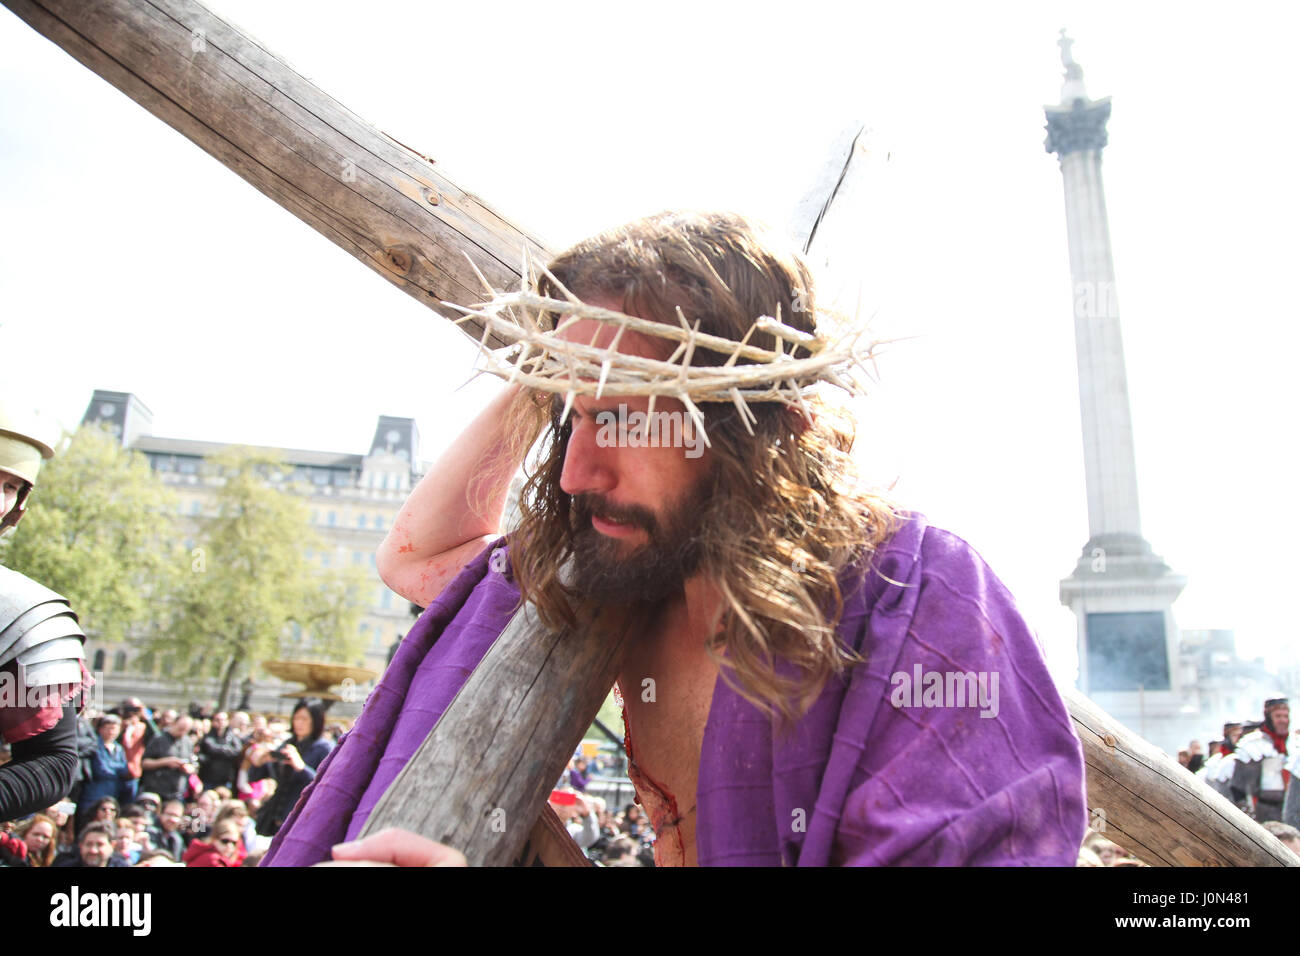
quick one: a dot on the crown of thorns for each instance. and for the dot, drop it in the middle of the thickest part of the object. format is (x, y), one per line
(538, 358)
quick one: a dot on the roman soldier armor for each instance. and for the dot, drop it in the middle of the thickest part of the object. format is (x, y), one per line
(42, 658)
(1260, 777)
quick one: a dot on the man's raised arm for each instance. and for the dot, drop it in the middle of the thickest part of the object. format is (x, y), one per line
(456, 509)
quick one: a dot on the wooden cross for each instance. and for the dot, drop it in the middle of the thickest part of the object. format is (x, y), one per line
(389, 207)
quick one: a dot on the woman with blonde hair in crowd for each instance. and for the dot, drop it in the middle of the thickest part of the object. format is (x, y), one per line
(40, 834)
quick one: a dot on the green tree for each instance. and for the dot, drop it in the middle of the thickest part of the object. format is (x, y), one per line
(101, 530)
(249, 579)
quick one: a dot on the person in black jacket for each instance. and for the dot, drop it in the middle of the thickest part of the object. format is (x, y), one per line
(293, 763)
(168, 761)
(87, 745)
(219, 753)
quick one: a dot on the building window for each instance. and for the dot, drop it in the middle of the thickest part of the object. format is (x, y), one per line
(315, 516)
(324, 559)
(188, 466)
(357, 557)
(387, 602)
(379, 522)
(98, 664)
(361, 521)
(331, 519)
(320, 477)
(195, 507)
(119, 662)
(168, 665)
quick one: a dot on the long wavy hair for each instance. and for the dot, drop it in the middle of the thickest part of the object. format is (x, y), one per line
(46, 858)
(788, 509)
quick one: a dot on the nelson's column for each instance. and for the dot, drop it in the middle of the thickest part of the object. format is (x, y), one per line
(1121, 592)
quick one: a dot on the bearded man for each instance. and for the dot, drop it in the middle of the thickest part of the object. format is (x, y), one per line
(787, 604)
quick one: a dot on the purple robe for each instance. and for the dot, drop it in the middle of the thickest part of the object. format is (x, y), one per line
(883, 770)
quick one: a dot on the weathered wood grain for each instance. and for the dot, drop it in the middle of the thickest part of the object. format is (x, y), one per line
(1148, 803)
(382, 202)
(482, 777)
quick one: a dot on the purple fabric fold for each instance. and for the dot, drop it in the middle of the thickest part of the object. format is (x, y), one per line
(864, 782)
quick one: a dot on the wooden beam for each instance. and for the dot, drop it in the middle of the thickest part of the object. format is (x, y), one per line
(480, 780)
(380, 201)
(1148, 803)
(552, 843)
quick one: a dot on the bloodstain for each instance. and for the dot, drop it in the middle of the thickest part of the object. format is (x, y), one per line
(659, 803)
(406, 549)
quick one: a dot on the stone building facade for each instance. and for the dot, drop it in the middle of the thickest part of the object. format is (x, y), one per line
(352, 500)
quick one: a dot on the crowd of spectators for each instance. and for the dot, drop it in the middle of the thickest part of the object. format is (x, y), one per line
(207, 788)
(201, 788)
(608, 837)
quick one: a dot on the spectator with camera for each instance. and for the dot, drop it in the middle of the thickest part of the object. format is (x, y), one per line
(169, 760)
(137, 731)
(291, 764)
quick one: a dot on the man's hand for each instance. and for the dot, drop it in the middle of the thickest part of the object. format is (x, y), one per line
(395, 848)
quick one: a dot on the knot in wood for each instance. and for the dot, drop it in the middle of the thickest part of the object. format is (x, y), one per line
(432, 196)
(1109, 741)
(399, 260)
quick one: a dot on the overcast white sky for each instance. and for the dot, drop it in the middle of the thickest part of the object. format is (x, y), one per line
(131, 260)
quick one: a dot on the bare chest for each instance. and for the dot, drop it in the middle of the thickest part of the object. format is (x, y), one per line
(667, 691)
